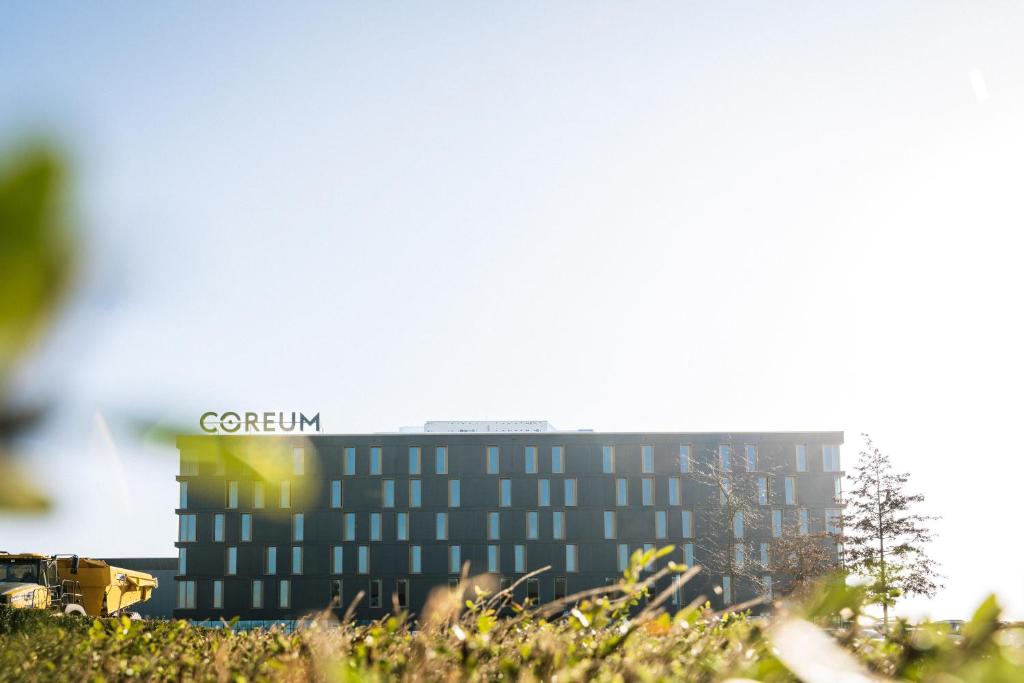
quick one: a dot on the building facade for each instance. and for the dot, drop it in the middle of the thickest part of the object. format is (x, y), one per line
(275, 527)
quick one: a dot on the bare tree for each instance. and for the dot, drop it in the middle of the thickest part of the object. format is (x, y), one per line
(799, 559)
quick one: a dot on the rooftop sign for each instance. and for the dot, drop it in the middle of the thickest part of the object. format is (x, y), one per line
(257, 423)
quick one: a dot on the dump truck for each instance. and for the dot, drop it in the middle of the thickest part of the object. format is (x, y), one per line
(72, 585)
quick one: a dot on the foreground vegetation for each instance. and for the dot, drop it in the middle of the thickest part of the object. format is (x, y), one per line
(617, 635)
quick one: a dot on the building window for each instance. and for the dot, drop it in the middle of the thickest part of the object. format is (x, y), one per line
(560, 588)
(189, 468)
(493, 526)
(558, 459)
(232, 495)
(286, 495)
(284, 596)
(833, 521)
(271, 561)
(402, 526)
(533, 590)
(765, 558)
(441, 460)
(388, 492)
(298, 461)
(532, 525)
(727, 590)
(762, 490)
(830, 458)
(660, 524)
(750, 458)
(805, 521)
(621, 492)
(647, 459)
(415, 559)
(724, 490)
(246, 526)
(454, 559)
(298, 526)
(337, 559)
(415, 460)
(363, 559)
(648, 491)
(218, 527)
(336, 494)
(684, 459)
(766, 583)
(182, 563)
(257, 495)
(558, 524)
(350, 526)
(570, 558)
(505, 492)
(350, 460)
(609, 524)
(675, 492)
(296, 559)
(801, 457)
(520, 559)
(737, 525)
(441, 526)
(790, 490)
(837, 489)
(375, 531)
(376, 466)
(337, 594)
(688, 554)
(739, 553)
(608, 459)
(622, 556)
(687, 519)
(492, 460)
(725, 457)
(543, 492)
(402, 591)
(777, 523)
(648, 548)
(570, 492)
(257, 594)
(186, 594)
(531, 460)
(415, 493)
(492, 559)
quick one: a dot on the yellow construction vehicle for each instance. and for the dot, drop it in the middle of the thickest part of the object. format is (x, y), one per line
(72, 585)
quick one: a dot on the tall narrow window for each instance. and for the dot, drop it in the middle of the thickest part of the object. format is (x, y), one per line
(505, 492)
(454, 559)
(647, 459)
(622, 557)
(186, 594)
(415, 559)
(493, 526)
(258, 495)
(182, 563)
(441, 526)
(415, 460)
(727, 590)
(725, 457)
(375, 526)
(441, 460)
(558, 524)
(336, 493)
(402, 593)
(245, 526)
(218, 594)
(609, 524)
(218, 527)
(286, 495)
(337, 559)
(189, 468)
(801, 457)
(570, 558)
(750, 458)
(764, 553)
(284, 594)
(296, 559)
(790, 490)
(833, 521)
(232, 495)
(570, 492)
(762, 490)
(350, 526)
(376, 457)
(649, 548)
(621, 492)
(608, 459)
(298, 527)
(231, 560)
(660, 524)
(675, 492)
(737, 525)
(766, 583)
(543, 492)
(558, 459)
(837, 489)
(688, 554)
(493, 466)
(298, 461)
(647, 491)
(402, 526)
(387, 493)
(533, 590)
(805, 521)
(532, 525)
(830, 458)
(182, 495)
(560, 588)
(337, 594)
(363, 559)
(415, 493)
(492, 559)
(350, 460)
(376, 593)
(687, 520)
(739, 556)
(257, 594)
(531, 460)
(271, 561)
(520, 559)
(684, 459)
(777, 523)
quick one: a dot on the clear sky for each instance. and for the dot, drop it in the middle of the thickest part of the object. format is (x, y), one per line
(624, 216)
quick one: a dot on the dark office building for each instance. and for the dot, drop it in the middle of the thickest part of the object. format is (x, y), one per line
(275, 527)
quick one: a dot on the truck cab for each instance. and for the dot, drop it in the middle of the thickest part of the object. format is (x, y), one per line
(31, 580)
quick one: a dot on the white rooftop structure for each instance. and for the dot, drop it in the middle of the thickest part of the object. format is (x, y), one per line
(487, 426)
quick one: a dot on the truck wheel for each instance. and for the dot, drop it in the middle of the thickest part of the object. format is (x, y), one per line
(74, 609)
